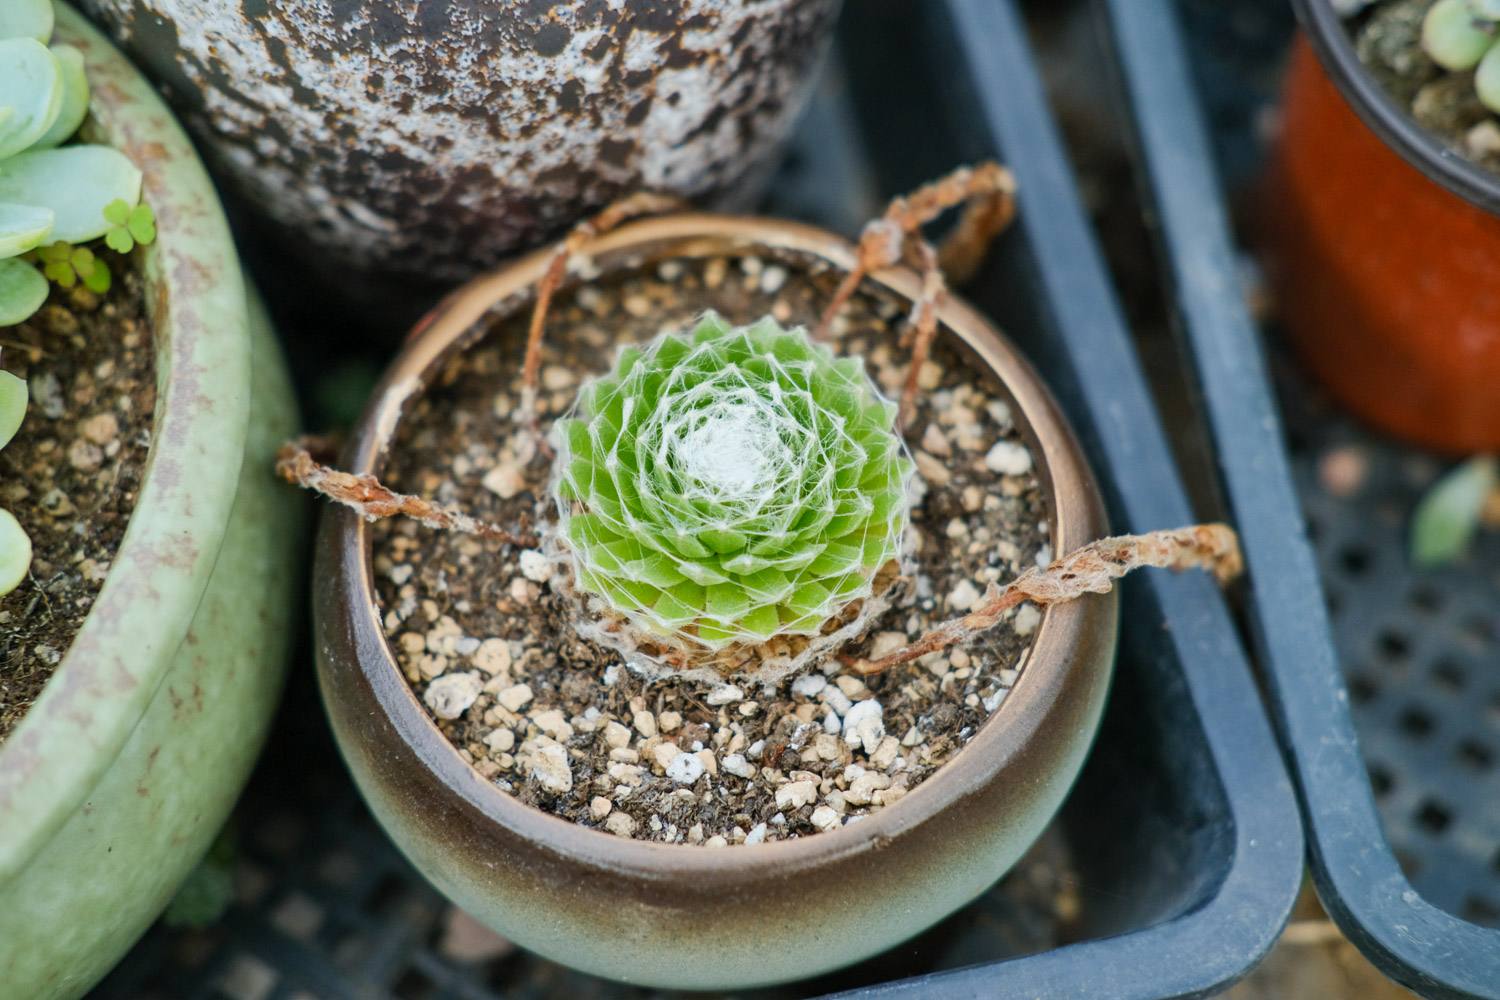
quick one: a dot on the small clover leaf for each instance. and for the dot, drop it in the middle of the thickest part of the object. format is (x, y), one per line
(98, 280)
(119, 240)
(117, 213)
(143, 224)
(129, 226)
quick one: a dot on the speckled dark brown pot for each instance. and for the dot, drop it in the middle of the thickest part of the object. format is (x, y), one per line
(428, 139)
(695, 917)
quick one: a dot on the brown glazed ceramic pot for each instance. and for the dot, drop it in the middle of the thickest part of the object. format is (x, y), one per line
(428, 139)
(685, 916)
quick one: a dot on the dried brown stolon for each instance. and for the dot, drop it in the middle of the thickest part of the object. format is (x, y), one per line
(372, 500)
(1091, 569)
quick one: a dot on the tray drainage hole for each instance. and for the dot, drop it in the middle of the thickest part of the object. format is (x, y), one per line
(1416, 723)
(1394, 647)
(1481, 629)
(1381, 781)
(1362, 690)
(1448, 675)
(1426, 600)
(1475, 756)
(414, 985)
(1356, 560)
(1481, 912)
(1433, 818)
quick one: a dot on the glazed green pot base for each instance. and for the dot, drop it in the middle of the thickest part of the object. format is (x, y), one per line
(72, 473)
(549, 720)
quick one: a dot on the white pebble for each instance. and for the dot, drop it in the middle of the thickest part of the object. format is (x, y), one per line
(870, 708)
(795, 794)
(963, 596)
(1044, 556)
(599, 807)
(1008, 459)
(515, 697)
(993, 701)
(886, 643)
(724, 695)
(772, 278)
(535, 566)
(616, 735)
(863, 788)
(450, 695)
(1027, 617)
(757, 834)
(504, 480)
(809, 685)
(836, 699)
(549, 766)
(612, 675)
(832, 724)
(1000, 413)
(554, 724)
(685, 768)
(737, 765)
(665, 753)
(825, 818)
(500, 741)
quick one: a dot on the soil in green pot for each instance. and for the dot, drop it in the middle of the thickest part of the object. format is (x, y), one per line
(1388, 38)
(73, 471)
(554, 719)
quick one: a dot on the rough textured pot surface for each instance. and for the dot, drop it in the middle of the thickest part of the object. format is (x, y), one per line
(118, 778)
(429, 139)
(692, 917)
(1388, 284)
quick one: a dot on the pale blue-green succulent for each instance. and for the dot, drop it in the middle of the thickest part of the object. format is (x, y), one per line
(730, 486)
(49, 195)
(15, 547)
(1461, 35)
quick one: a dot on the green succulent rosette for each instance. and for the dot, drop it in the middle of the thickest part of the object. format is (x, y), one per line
(731, 485)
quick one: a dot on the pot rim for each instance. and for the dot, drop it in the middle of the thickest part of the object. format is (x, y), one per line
(1075, 517)
(195, 307)
(1388, 120)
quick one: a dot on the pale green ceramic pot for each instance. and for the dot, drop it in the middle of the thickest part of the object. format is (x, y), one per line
(116, 781)
(677, 915)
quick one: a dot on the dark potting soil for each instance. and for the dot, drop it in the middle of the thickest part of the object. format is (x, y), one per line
(555, 720)
(1388, 37)
(72, 472)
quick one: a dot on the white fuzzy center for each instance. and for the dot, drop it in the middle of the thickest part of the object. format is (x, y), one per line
(733, 451)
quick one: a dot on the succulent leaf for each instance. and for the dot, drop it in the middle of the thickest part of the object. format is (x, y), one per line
(75, 182)
(22, 292)
(1447, 518)
(26, 19)
(31, 82)
(75, 102)
(15, 552)
(1452, 36)
(1487, 79)
(730, 485)
(13, 396)
(22, 227)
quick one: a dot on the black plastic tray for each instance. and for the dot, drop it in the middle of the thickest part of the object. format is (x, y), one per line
(1392, 624)
(1179, 848)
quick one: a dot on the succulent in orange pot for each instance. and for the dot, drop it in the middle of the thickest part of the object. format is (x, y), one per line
(1382, 244)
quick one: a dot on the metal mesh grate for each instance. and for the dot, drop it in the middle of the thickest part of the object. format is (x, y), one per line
(1421, 652)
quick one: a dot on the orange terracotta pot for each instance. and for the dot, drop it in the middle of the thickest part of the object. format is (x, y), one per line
(1388, 284)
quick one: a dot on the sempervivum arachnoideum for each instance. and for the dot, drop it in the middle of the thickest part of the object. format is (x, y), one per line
(730, 487)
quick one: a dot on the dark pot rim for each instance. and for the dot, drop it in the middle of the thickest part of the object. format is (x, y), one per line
(1075, 516)
(1393, 124)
